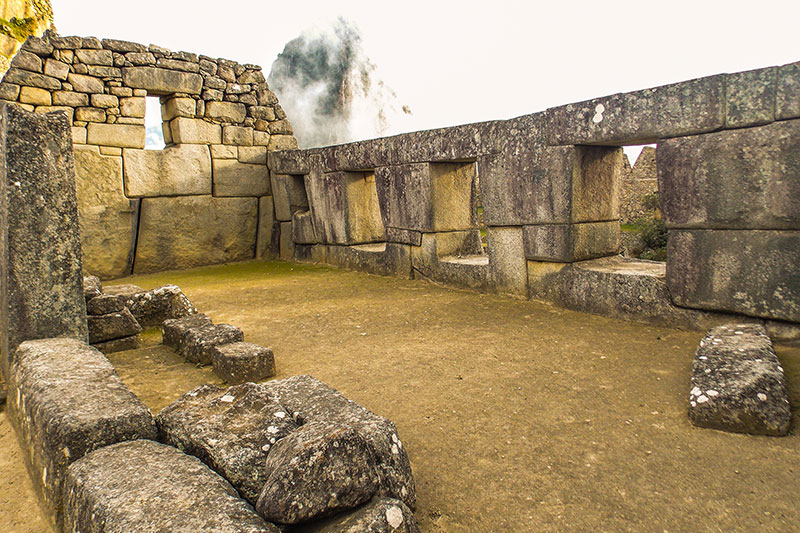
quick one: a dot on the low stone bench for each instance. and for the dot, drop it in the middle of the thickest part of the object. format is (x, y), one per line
(65, 400)
(738, 383)
(199, 342)
(173, 331)
(239, 362)
(146, 486)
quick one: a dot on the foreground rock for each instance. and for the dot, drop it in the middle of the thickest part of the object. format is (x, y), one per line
(199, 342)
(146, 486)
(231, 430)
(152, 308)
(173, 331)
(738, 383)
(112, 326)
(69, 401)
(240, 362)
(381, 515)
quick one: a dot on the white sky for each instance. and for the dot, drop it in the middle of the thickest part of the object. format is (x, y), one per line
(456, 62)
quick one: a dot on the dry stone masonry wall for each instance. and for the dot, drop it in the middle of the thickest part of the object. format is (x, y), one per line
(199, 200)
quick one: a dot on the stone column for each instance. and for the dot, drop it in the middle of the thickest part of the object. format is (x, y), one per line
(41, 280)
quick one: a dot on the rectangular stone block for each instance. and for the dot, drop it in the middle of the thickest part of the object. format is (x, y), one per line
(119, 135)
(84, 84)
(35, 96)
(385, 259)
(237, 135)
(286, 242)
(194, 131)
(256, 155)
(69, 98)
(344, 206)
(749, 272)
(289, 194)
(508, 269)
(41, 278)
(571, 242)
(303, 228)
(31, 79)
(133, 107)
(178, 169)
(787, 94)
(751, 97)
(266, 222)
(641, 117)
(67, 111)
(178, 107)
(162, 81)
(56, 69)
(67, 401)
(232, 178)
(224, 151)
(95, 57)
(404, 236)
(290, 161)
(747, 178)
(189, 231)
(230, 112)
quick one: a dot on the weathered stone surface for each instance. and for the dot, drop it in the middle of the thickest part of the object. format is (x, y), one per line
(91, 287)
(125, 291)
(104, 101)
(120, 135)
(65, 98)
(84, 84)
(232, 178)
(331, 480)
(240, 362)
(9, 91)
(738, 383)
(191, 231)
(173, 330)
(747, 178)
(35, 96)
(379, 515)
(122, 46)
(147, 486)
(152, 308)
(103, 304)
(133, 106)
(750, 272)
(27, 61)
(112, 326)
(193, 131)
(303, 228)
(31, 79)
(571, 242)
(95, 57)
(238, 135)
(230, 112)
(178, 107)
(289, 195)
(56, 69)
(286, 242)
(232, 430)
(685, 108)
(90, 114)
(106, 216)
(161, 80)
(266, 221)
(256, 155)
(508, 271)
(751, 97)
(181, 169)
(404, 236)
(345, 207)
(41, 278)
(68, 402)
(118, 345)
(454, 258)
(386, 259)
(199, 342)
(427, 196)
(282, 142)
(787, 101)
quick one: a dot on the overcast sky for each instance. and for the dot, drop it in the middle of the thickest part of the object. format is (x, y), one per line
(455, 62)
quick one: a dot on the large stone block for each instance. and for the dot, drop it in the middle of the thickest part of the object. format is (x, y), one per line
(190, 231)
(232, 178)
(751, 97)
(230, 112)
(303, 231)
(344, 207)
(107, 218)
(178, 107)
(749, 272)
(33, 79)
(787, 95)
(747, 178)
(119, 135)
(508, 269)
(114, 325)
(181, 169)
(738, 383)
(162, 81)
(571, 242)
(67, 402)
(266, 222)
(147, 486)
(386, 259)
(641, 117)
(199, 342)
(286, 248)
(152, 308)
(240, 362)
(41, 278)
(289, 195)
(174, 330)
(428, 196)
(194, 131)
(453, 258)
(85, 84)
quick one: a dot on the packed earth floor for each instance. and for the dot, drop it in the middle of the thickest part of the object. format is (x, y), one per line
(517, 416)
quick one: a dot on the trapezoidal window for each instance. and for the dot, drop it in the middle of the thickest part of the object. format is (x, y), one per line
(154, 126)
(642, 227)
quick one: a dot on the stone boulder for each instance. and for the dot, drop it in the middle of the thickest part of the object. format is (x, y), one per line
(239, 362)
(199, 342)
(231, 430)
(69, 401)
(112, 326)
(147, 486)
(380, 515)
(174, 330)
(125, 290)
(104, 304)
(738, 383)
(91, 287)
(152, 308)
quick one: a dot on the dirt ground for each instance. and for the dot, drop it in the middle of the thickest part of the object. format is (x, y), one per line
(517, 416)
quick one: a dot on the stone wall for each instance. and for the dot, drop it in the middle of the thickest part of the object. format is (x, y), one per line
(196, 202)
(549, 185)
(637, 183)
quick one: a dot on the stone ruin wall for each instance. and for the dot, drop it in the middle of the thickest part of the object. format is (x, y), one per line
(206, 197)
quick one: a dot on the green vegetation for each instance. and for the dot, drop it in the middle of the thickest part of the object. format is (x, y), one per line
(651, 229)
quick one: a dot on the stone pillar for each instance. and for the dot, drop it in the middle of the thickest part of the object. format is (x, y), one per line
(41, 280)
